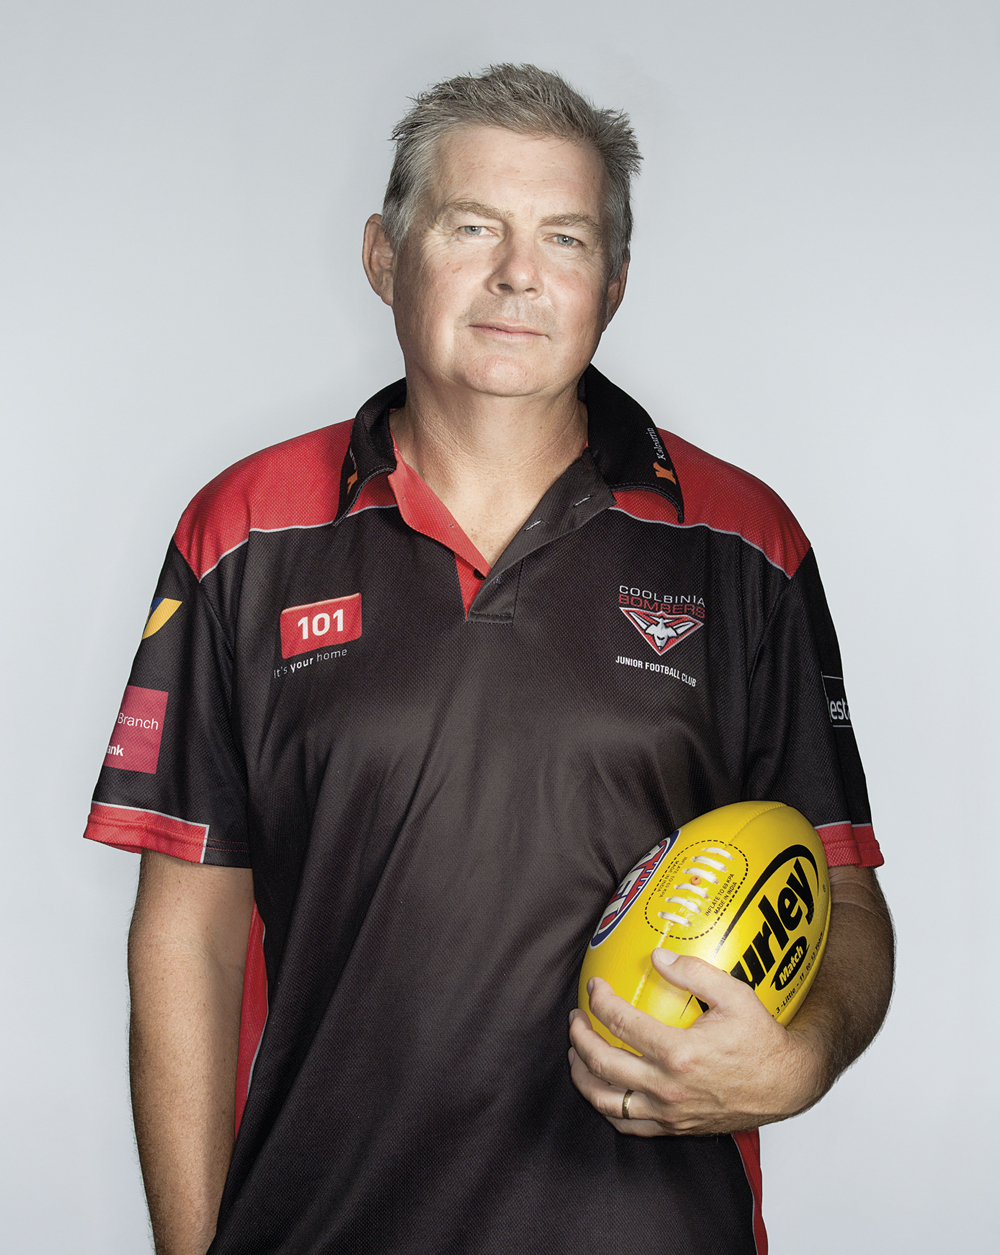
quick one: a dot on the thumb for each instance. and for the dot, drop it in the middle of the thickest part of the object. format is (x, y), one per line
(708, 983)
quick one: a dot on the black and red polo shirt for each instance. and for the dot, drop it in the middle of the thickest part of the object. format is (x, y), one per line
(439, 772)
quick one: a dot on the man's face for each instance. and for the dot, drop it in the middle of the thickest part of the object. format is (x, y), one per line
(501, 286)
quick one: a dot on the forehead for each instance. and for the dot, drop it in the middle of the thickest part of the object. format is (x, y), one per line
(530, 174)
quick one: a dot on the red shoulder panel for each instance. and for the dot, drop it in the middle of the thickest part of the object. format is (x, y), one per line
(292, 484)
(721, 496)
(726, 499)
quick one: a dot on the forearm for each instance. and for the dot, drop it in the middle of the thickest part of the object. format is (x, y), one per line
(850, 996)
(186, 997)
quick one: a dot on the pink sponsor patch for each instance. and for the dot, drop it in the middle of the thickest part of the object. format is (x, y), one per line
(135, 742)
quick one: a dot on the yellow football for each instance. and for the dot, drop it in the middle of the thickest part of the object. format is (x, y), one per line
(745, 887)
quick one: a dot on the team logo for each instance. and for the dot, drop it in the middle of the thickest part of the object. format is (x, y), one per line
(630, 888)
(662, 630)
(159, 612)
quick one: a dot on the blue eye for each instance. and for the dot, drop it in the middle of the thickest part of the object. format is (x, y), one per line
(473, 230)
(565, 240)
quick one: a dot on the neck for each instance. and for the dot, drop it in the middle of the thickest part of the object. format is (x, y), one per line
(490, 459)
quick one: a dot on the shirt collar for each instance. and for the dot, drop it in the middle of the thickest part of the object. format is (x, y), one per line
(621, 438)
(370, 453)
(624, 442)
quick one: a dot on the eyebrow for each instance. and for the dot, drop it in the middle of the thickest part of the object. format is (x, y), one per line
(491, 211)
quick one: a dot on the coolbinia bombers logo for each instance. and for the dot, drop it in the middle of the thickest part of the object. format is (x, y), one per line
(630, 888)
(662, 631)
(663, 620)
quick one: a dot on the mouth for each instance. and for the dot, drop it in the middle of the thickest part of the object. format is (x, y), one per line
(507, 331)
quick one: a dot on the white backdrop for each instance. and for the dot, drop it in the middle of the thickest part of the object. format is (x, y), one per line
(813, 296)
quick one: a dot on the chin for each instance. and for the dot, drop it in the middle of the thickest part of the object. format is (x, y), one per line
(508, 378)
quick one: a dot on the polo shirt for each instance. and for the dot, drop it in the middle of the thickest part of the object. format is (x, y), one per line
(438, 772)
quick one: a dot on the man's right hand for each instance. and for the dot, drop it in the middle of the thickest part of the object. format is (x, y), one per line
(187, 948)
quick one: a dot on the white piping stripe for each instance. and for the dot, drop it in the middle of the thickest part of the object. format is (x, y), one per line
(393, 506)
(290, 527)
(722, 531)
(219, 559)
(305, 527)
(843, 823)
(388, 505)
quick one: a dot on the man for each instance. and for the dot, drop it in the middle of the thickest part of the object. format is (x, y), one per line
(386, 729)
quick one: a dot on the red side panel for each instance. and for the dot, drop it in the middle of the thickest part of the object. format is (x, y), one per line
(726, 499)
(294, 484)
(129, 828)
(254, 1013)
(748, 1144)
(854, 844)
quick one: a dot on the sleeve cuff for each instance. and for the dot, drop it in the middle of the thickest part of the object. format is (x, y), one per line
(131, 828)
(850, 844)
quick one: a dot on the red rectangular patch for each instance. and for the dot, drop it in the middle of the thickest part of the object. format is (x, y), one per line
(320, 624)
(135, 742)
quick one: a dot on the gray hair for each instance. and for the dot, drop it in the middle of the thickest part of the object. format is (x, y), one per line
(529, 101)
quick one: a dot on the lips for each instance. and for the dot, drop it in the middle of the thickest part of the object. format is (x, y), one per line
(514, 331)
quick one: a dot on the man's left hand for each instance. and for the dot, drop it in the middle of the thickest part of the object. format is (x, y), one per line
(734, 1068)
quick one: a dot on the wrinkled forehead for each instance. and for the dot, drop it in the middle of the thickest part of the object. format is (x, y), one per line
(515, 172)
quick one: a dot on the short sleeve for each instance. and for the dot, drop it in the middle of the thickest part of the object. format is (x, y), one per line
(173, 778)
(802, 750)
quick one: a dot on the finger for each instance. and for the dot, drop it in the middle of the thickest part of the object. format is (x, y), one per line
(609, 1064)
(723, 993)
(607, 1101)
(637, 1029)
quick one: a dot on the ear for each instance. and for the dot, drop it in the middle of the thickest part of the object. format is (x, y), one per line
(615, 292)
(378, 257)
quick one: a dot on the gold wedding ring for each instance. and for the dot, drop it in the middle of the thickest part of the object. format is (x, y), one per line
(625, 1102)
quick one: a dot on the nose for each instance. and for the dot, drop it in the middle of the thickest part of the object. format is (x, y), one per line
(517, 270)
